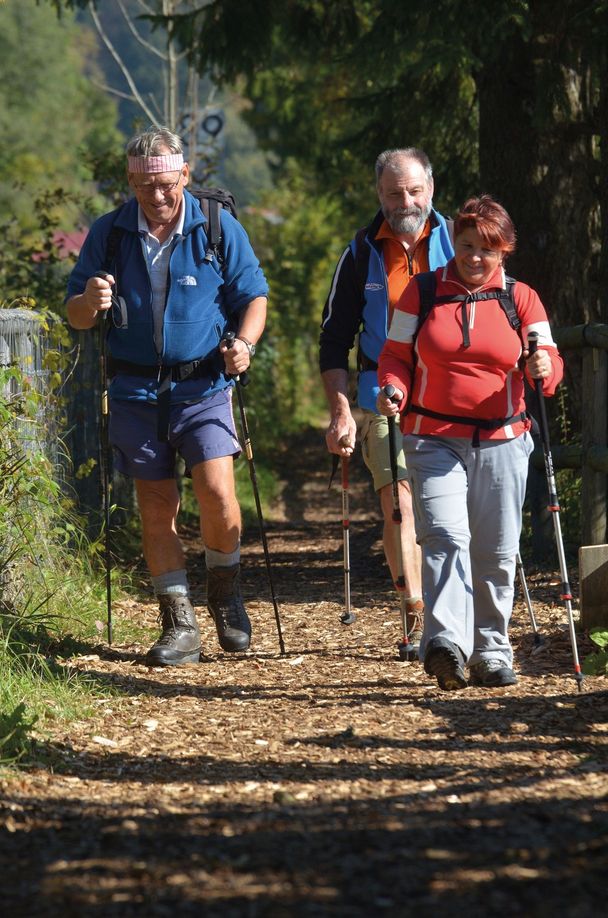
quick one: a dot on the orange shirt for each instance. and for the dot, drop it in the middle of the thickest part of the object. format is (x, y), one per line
(401, 264)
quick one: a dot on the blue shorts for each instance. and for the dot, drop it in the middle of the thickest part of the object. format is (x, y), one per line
(197, 432)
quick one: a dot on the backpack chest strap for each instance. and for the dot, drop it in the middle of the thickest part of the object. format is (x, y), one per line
(503, 297)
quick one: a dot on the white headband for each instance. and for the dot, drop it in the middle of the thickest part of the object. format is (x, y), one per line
(166, 162)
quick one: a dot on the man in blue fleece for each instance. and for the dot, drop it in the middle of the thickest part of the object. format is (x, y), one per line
(171, 301)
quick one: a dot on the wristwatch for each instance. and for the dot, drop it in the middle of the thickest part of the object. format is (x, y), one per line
(250, 347)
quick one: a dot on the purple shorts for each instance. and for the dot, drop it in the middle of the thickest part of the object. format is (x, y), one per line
(197, 432)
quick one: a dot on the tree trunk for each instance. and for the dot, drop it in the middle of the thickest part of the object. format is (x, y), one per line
(536, 156)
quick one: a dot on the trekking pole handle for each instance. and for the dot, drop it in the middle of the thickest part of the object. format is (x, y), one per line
(230, 338)
(389, 391)
(543, 424)
(532, 342)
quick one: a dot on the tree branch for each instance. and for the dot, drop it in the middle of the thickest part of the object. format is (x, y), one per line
(124, 69)
(142, 41)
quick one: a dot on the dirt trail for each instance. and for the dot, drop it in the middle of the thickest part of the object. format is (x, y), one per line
(335, 780)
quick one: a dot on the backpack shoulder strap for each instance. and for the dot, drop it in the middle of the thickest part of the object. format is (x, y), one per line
(427, 285)
(211, 208)
(507, 303)
(361, 259)
(112, 244)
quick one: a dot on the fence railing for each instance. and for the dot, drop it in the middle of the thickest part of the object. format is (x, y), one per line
(23, 343)
(591, 455)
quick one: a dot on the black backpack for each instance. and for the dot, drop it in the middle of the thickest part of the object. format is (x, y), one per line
(427, 284)
(211, 202)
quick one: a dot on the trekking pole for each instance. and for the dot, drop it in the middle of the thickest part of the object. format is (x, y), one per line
(524, 586)
(348, 617)
(241, 381)
(554, 508)
(405, 647)
(104, 460)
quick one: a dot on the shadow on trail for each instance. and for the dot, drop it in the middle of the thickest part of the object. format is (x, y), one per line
(327, 857)
(506, 724)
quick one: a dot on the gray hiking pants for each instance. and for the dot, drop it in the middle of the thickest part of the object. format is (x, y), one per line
(468, 510)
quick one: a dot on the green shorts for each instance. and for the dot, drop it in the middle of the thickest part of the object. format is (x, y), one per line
(376, 454)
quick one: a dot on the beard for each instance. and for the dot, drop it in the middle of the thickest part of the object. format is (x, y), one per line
(407, 221)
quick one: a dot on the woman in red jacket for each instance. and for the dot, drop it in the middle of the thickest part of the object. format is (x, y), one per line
(459, 386)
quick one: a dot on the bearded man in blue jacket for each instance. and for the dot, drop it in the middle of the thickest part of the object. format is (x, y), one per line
(171, 302)
(407, 236)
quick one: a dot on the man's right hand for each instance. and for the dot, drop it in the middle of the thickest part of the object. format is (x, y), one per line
(98, 293)
(340, 436)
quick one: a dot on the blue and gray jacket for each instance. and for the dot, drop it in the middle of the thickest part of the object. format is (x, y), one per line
(203, 301)
(350, 310)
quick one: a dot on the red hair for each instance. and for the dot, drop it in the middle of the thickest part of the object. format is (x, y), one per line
(491, 221)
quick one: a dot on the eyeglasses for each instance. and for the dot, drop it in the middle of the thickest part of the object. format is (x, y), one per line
(149, 188)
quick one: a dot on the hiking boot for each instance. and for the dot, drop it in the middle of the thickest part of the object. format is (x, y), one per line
(180, 641)
(414, 618)
(491, 674)
(226, 608)
(445, 661)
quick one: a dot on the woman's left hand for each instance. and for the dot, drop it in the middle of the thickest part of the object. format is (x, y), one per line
(538, 364)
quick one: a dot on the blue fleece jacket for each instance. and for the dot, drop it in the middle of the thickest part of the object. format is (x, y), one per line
(202, 301)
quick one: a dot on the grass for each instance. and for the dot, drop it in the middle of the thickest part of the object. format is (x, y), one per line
(52, 591)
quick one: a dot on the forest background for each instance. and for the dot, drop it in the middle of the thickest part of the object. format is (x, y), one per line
(512, 100)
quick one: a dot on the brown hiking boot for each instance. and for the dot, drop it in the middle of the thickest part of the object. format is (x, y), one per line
(180, 641)
(226, 608)
(414, 618)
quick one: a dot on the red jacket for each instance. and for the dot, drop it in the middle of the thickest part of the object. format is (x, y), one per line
(482, 381)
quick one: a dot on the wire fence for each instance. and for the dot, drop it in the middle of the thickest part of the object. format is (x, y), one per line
(23, 345)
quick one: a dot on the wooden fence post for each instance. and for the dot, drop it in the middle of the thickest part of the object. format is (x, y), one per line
(594, 429)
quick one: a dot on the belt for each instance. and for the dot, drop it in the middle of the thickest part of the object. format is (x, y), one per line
(477, 423)
(165, 375)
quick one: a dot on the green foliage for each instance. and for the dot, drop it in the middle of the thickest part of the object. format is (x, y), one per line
(596, 664)
(51, 114)
(32, 268)
(15, 739)
(296, 235)
(50, 579)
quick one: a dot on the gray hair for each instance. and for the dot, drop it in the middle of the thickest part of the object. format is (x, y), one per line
(391, 159)
(153, 141)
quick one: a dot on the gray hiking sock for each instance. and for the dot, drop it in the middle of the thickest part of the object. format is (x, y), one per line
(214, 558)
(171, 582)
